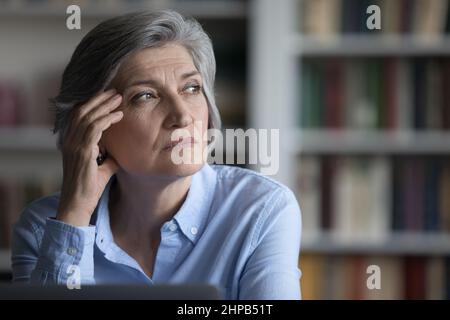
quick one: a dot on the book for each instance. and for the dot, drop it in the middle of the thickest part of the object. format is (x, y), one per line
(429, 19)
(404, 99)
(313, 277)
(392, 281)
(362, 199)
(414, 278)
(309, 195)
(435, 278)
(322, 18)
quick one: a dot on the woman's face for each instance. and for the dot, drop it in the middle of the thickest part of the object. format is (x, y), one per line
(161, 93)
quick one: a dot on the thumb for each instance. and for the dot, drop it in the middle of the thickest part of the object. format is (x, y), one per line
(108, 168)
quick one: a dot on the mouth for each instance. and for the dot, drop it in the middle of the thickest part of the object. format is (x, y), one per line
(189, 141)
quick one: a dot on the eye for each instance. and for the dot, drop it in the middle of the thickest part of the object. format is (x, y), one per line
(143, 97)
(193, 88)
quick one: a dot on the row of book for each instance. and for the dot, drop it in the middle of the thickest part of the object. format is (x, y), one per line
(429, 19)
(376, 93)
(15, 195)
(11, 104)
(346, 277)
(27, 105)
(369, 198)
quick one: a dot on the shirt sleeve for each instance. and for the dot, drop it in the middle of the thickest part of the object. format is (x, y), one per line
(62, 253)
(272, 272)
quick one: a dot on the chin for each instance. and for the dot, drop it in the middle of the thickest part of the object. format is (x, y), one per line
(180, 170)
(165, 170)
(165, 167)
(175, 166)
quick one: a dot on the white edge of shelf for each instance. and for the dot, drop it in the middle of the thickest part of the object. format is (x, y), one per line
(392, 244)
(41, 139)
(366, 141)
(27, 138)
(368, 45)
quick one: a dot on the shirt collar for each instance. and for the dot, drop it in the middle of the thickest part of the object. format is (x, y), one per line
(191, 217)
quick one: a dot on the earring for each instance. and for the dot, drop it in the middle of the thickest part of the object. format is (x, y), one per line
(100, 159)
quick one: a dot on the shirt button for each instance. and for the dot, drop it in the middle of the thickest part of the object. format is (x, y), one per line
(173, 227)
(71, 251)
(194, 230)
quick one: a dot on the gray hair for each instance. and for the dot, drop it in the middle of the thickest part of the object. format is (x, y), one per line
(98, 56)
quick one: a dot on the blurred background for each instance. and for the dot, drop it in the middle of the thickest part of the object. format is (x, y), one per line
(363, 118)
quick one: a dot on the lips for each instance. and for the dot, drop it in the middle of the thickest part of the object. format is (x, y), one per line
(181, 141)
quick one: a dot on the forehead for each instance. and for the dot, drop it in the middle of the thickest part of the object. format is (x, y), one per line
(171, 57)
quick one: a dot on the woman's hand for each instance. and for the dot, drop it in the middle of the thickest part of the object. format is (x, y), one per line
(83, 179)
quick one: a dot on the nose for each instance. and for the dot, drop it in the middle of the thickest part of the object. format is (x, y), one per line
(178, 116)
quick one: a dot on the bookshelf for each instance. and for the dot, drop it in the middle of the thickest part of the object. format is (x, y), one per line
(277, 82)
(277, 54)
(30, 165)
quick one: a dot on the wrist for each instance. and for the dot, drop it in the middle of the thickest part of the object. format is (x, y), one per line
(74, 218)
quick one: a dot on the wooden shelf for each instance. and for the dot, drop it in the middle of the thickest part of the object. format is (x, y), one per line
(376, 142)
(395, 244)
(368, 45)
(27, 138)
(29, 153)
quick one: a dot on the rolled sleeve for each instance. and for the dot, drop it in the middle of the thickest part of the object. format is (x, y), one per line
(64, 246)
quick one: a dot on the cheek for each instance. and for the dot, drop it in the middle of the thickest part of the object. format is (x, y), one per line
(134, 129)
(202, 115)
(201, 121)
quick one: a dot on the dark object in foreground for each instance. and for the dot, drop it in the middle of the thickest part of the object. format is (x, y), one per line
(110, 292)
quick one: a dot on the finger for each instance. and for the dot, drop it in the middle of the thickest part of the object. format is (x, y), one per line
(99, 112)
(95, 101)
(108, 168)
(77, 114)
(96, 128)
(104, 108)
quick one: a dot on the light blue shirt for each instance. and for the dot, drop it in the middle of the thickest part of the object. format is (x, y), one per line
(237, 230)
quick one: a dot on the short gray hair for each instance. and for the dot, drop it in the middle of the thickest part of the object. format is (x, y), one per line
(98, 56)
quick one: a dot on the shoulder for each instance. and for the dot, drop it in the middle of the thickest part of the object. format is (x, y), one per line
(252, 184)
(254, 199)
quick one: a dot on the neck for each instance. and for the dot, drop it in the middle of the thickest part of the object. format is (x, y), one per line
(141, 205)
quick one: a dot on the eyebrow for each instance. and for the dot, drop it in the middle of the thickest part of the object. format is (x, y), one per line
(156, 83)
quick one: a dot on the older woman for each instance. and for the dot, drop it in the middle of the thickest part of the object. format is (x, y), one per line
(127, 213)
